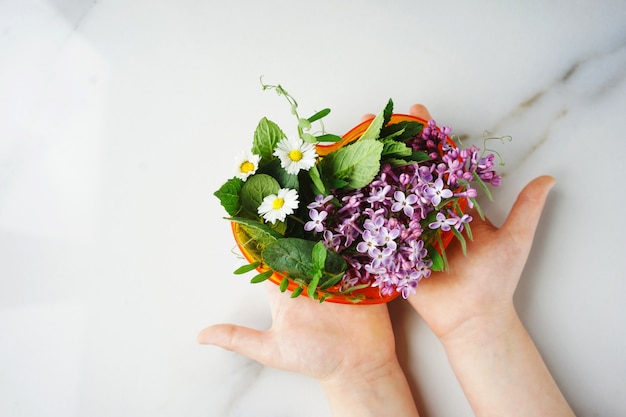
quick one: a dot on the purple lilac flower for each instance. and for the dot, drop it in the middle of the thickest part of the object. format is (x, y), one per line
(374, 225)
(379, 229)
(442, 222)
(369, 242)
(317, 221)
(437, 192)
(404, 203)
(387, 237)
(380, 257)
(319, 201)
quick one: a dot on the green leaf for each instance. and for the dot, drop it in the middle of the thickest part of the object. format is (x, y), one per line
(483, 186)
(294, 257)
(401, 131)
(276, 171)
(328, 138)
(419, 156)
(312, 288)
(461, 239)
(319, 115)
(284, 283)
(387, 112)
(255, 189)
(297, 292)
(319, 256)
(266, 137)
(254, 236)
(468, 230)
(395, 162)
(394, 149)
(373, 131)
(228, 195)
(263, 276)
(257, 230)
(331, 281)
(355, 288)
(438, 264)
(336, 183)
(318, 185)
(478, 209)
(246, 268)
(357, 163)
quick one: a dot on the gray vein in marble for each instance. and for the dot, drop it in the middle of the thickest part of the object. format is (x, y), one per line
(565, 86)
(74, 15)
(74, 11)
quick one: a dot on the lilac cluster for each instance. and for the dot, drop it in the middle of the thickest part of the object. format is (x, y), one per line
(386, 229)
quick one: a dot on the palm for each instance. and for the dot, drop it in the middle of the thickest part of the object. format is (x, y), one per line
(474, 284)
(319, 340)
(483, 281)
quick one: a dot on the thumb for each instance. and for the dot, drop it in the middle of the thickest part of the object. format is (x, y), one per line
(525, 213)
(239, 339)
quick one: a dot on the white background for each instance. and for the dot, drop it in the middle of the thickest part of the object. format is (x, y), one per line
(120, 118)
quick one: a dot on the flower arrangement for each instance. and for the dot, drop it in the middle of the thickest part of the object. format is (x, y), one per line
(361, 218)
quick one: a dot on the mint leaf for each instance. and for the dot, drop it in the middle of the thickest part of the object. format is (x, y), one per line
(315, 280)
(387, 112)
(373, 131)
(395, 149)
(357, 164)
(228, 195)
(319, 256)
(255, 189)
(285, 179)
(401, 131)
(419, 156)
(266, 137)
(294, 257)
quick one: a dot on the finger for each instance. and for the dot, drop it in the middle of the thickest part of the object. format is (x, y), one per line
(367, 116)
(419, 110)
(522, 221)
(239, 339)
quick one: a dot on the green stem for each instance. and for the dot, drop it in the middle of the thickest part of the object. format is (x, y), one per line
(299, 220)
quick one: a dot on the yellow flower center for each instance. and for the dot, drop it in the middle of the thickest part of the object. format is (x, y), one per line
(278, 203)
(295, 155)
(247, 167)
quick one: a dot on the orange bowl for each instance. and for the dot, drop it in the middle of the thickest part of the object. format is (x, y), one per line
(364, 296)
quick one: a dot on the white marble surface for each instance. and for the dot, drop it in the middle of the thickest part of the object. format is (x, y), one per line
(118, 119)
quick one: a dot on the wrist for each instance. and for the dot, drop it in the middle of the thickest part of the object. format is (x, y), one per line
(500, 369)
(372, 390)
(482, 329)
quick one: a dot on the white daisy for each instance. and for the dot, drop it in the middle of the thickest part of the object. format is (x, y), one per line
(246, 164)
(295, 154)
(278, 206)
